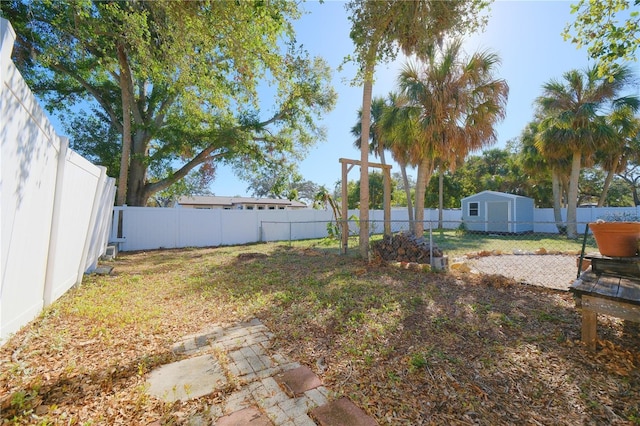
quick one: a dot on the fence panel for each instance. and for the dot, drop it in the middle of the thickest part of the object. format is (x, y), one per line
(28, 181)
(99, 236)
(149, 228)
(198, 228)
(78, 185)
(47, 193)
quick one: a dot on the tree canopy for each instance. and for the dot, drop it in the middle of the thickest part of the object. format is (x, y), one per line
(455, 103)
(179, 81)
(574, 125)
(609, 29)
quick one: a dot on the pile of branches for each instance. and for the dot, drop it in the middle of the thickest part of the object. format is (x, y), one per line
(405, 247)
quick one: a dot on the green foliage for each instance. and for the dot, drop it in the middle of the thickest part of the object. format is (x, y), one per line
(573, 125)
(376, 191)
(192, 72)
(195, 183)
(417, 361)
(93, 137)
(461, 229)
(496, 170)
(609, 29)
(282, 182)
(381, 29)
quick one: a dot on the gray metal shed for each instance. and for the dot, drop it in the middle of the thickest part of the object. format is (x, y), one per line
(491, 211)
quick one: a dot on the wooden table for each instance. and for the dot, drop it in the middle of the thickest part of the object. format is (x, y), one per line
(604, 293)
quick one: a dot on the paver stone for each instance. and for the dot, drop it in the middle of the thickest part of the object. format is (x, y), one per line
(341, 412)
(299, 380)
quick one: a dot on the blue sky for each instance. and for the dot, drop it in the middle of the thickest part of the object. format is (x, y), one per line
(525, 34)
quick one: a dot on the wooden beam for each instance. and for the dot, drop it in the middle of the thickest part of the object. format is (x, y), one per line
(357, 163)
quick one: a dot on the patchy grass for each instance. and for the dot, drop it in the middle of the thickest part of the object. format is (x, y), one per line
(455, 243)
(408, 347)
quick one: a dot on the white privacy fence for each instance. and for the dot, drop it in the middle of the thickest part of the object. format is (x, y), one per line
(148, 228)
(56, 205)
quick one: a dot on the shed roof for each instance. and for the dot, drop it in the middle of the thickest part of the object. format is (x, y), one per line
(502, 194)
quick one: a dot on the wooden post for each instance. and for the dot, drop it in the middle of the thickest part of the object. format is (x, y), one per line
(589, 319)
(387, 200)
(345, 212)
(386, 168)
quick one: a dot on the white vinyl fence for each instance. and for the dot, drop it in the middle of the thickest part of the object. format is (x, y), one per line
(149, 228)
(56, 205)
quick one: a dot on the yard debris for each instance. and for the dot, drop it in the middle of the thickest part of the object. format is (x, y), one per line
(405, 247)
(243, 257)
(407, 347)
(460, 267)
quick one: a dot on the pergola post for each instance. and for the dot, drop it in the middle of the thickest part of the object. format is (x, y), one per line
(345, 212)
(387, 200)
(386, 177)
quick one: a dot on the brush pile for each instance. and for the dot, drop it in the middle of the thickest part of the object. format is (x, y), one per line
(405, 247)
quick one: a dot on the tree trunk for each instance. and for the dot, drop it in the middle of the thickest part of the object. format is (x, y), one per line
(572, 198)
(407, 189)
(556, 189)
(605, 189)
(364, 162)
(125, 155)
(424, 174)
(381, 153)
(137, 194)
(440, 197)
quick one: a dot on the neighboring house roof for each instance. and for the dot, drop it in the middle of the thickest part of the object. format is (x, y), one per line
(234, 201)
(501, 194)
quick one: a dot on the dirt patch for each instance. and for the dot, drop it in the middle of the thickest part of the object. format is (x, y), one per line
(243, 257)
(548, 270)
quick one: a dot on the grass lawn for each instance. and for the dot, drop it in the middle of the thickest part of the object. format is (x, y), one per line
(454, 243)
(408, 347)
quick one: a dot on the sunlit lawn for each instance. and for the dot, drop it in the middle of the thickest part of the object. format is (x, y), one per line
(454, 243)
(407, 347)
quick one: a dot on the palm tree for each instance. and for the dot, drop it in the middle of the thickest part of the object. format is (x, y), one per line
(377, 143)
(400, 130)
(456, 103)
(379, 30)
(573, 125)
(613, 157)
(558, 166)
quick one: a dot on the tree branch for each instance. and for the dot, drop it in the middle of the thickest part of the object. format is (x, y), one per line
(202, 157)
(93, 92)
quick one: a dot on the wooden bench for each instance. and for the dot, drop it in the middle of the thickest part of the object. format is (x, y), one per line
(611, 292)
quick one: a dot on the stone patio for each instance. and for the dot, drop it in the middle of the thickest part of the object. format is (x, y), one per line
(274, 390)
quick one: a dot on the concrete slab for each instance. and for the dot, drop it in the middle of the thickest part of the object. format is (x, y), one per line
(341, 412)
(187, 379)
(299, 380)
(250, 416)
(103, 270)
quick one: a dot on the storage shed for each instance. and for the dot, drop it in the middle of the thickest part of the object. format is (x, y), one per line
(491, 211)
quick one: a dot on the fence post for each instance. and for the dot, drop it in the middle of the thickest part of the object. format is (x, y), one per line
(47, 291)
(431, 263)
(95, 207)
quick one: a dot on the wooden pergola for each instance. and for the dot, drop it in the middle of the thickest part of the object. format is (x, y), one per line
(347, 165)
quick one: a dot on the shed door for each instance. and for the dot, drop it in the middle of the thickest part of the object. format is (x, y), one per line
(498, 216)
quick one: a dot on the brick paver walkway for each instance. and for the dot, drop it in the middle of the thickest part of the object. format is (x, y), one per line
(273, 390)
